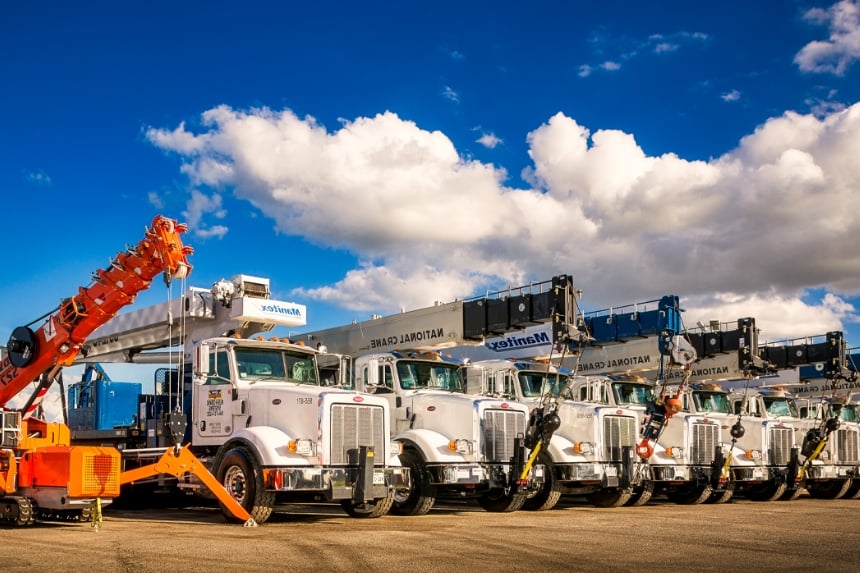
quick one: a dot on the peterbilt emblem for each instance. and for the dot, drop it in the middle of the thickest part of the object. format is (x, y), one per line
(276, 401)
(357, 399)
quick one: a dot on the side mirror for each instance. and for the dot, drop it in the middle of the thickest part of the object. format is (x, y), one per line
(201, 363)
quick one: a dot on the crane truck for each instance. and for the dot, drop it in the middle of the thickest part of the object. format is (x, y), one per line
(268, 418)
(591, 453)
(456, 445)
(41, 472)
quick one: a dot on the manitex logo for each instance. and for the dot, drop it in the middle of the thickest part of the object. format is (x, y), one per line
(521, 341)
(281, 309)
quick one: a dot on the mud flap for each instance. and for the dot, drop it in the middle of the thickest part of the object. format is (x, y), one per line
(792, 478)
(716, 481)
(518, 477)
(627, 467)
(363, 490)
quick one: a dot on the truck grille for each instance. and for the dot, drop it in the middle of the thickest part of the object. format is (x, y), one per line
(618, 431)
(352, 426)
(500, 428)
(779, 449)
(704, 442)
(847, 447)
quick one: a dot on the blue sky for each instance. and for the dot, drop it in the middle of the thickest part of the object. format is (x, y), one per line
(376, 156)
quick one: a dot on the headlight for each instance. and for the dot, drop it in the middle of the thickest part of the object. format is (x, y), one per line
(753, 454)
(460, 446)
(303, 447)
(583, 448)
(676, 453)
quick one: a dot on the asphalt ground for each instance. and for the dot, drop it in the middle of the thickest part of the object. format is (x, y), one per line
(801, 535)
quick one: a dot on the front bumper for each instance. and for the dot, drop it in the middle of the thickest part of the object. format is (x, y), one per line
(336, 483)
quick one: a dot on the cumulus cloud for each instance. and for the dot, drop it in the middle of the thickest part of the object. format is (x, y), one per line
(842, 48)
(733, 95)
(489, 140)
(744, 234)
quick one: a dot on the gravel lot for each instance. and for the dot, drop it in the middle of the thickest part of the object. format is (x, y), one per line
(805, 534)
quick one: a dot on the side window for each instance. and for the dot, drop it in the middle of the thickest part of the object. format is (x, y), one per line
(219, 368)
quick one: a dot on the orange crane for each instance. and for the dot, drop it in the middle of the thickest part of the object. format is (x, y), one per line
(40, 471)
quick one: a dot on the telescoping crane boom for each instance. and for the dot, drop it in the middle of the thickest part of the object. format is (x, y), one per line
(40, 472)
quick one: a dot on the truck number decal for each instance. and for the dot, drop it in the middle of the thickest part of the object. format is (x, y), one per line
(305, 400)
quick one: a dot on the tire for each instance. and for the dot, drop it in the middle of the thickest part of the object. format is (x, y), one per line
(723, 496)
(641, 494)
(691, 494)
(549, 493)
(370, 509)
(853, 491)
(609, 497)
(829, 489)
(501, 502)
(240, 475)
(791, 494)
(419, 495)
(770, 491)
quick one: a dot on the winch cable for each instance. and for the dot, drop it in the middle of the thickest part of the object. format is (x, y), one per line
(544, 420)
(816, 438)
(737, 430)
(660, 410)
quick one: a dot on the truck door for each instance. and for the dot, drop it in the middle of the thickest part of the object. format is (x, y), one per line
(380, 379)
(212, 400)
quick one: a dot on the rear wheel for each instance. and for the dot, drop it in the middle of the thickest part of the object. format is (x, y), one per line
(690, 495)
(609, 497)
(790, 494)
(501, 502)
(418, 496)
(828, 489)
(770, 491)
(242, 478)
(371, 509)
(549, 493)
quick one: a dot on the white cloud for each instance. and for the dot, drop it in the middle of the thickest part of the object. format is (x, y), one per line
(200, 205)
(610, 66)
(37, 177)
(489, 140)
(733, 95)
(155, 200)
(450, 94)
(842, 48)
(584, 71)
(748, 233)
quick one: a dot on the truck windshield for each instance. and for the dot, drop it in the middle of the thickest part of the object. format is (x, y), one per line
(712, 402)
(417, 374)
(627, 393)
(255, 364)
(780, 407)
(848, 412)
(534, 384)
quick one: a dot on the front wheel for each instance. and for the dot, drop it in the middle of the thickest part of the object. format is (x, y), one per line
(641, 494)
(549, 493)
(853, 490)
(770, 491)
(828, 489)
(242, 478)
(368, 509)
(722, 496)
(418, 496)
(690, 495)
(501, 502)
(609, 497)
